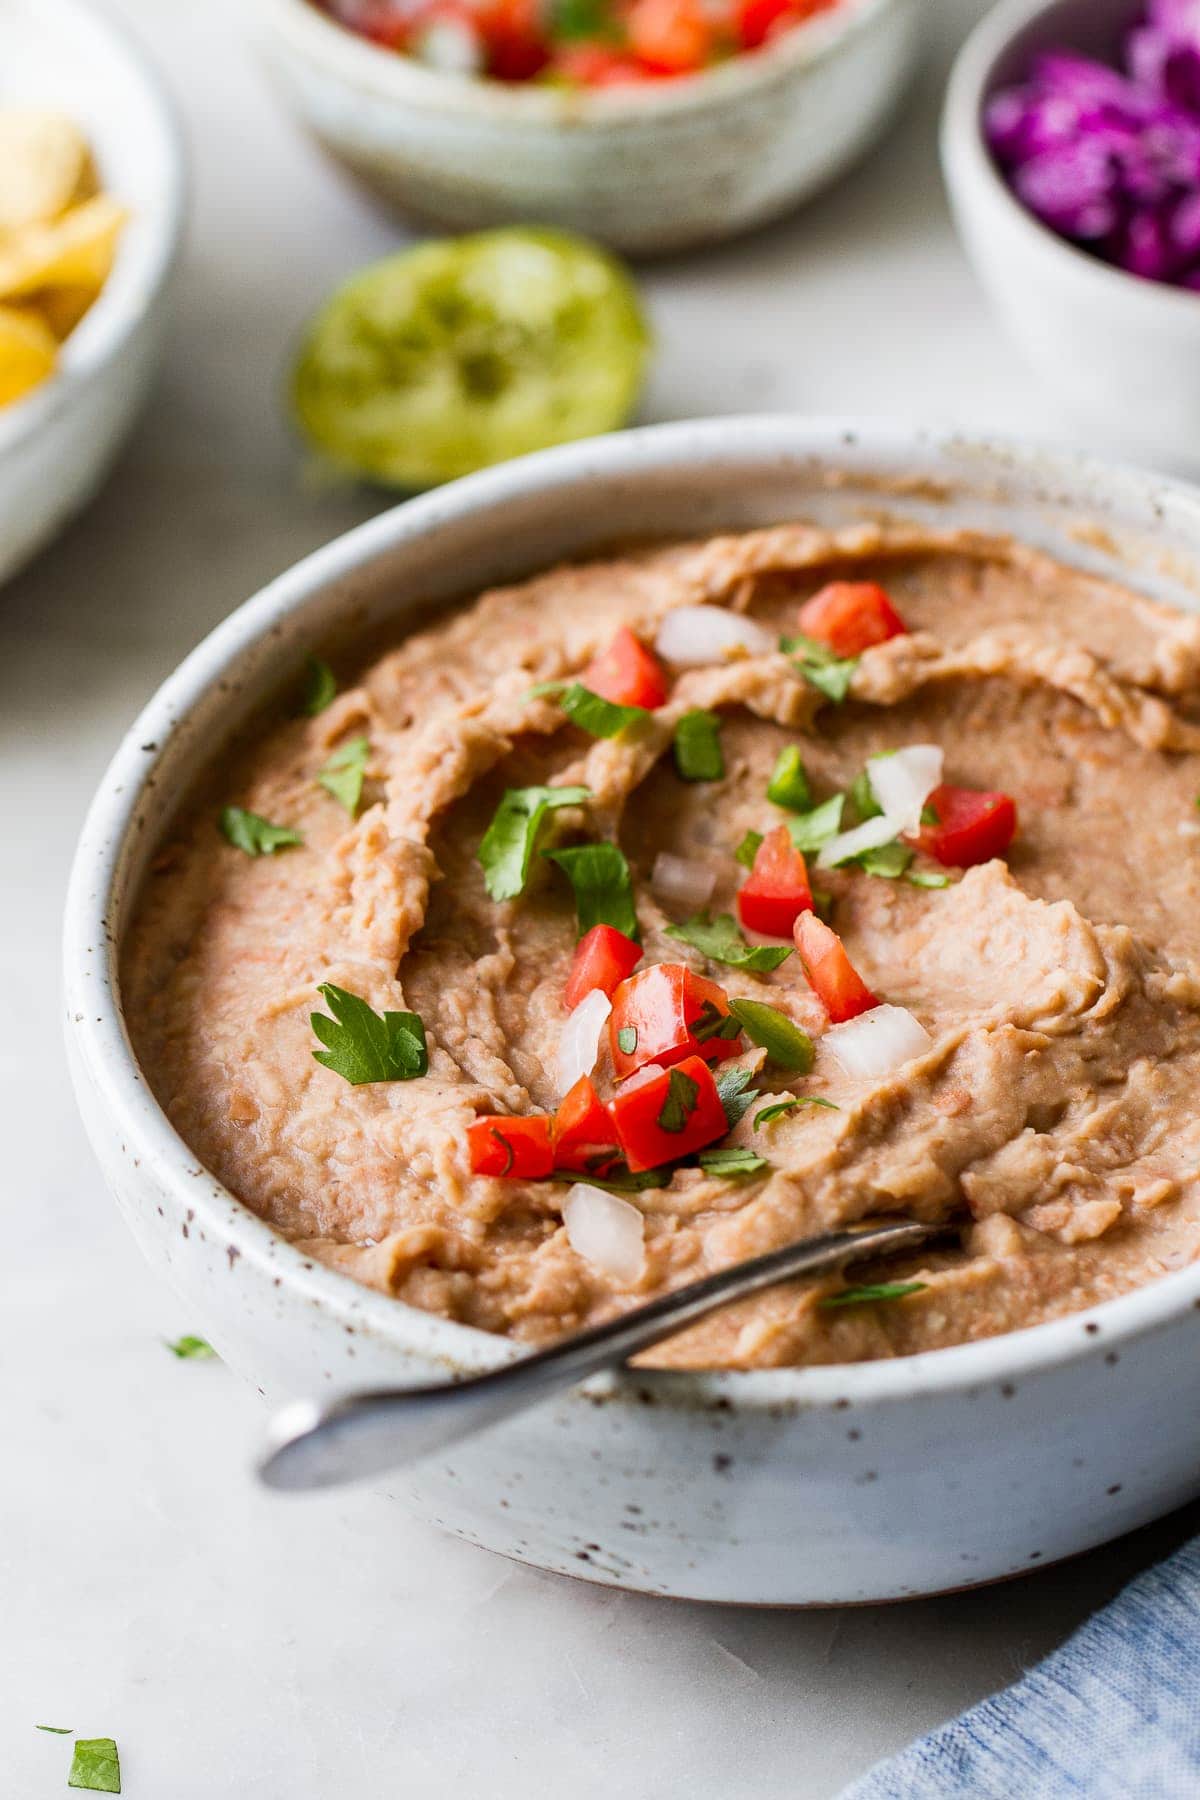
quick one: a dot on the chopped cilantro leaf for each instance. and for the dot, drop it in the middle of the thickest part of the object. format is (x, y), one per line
(720, 940)
(58, 1730)
(883, 1290)
(343, 774)
(698, 754)
(812, 829)
(927, 878)
(788, 785)
(256, 836)
(888, 861)
(320, 686)
(778, 1108)
(582, 20)
(713, 1023)
(506, 851)
(733, 1162)
(627, 1040)
(603, 887)
(95, 1766)
(784, 1043)
(831, 675)
(192, 1349)
(862, 798)
(929, 815)
(737, 1094)
(506, 1146)
(747, 850)
(683, 1094)
(592, 713)
(364, 1046)
(621, 1180)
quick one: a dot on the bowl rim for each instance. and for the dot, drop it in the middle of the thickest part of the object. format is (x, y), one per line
(391, 76)
(138, 276)
(104, 1055)
(965, 151)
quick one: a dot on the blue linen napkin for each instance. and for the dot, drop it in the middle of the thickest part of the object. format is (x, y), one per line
(1114, 1714)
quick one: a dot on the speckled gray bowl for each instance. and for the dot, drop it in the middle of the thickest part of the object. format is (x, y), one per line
(802, 1486)
(646, 169)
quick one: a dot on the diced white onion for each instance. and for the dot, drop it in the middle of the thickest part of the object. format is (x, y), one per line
(877, 1042)
(903, 783)
(640, 1077)
(693, 636)
(870, 835)
(606, 1231)
(579, 1044)
(681, 882)
(452, 46)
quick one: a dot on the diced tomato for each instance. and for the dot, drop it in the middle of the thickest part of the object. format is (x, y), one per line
(519, 1147)
(516, 46)
(777, 891)
(627, 673)
(585, 1138)
(671, 1013)
(832, 976)
(597, 66)
(758, 20)
(604, 956)
(972, 827)
(672, 37)
(850, 616)
(689, 1103)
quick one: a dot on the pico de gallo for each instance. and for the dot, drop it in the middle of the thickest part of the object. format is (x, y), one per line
(645, 1040)
(573, 43)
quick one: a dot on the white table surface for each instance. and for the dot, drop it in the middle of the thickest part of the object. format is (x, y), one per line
(234, 1644)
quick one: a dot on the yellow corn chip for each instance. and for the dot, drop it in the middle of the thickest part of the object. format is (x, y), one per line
(28, 353)
(61, 307)
(45, 166)
(76, 250)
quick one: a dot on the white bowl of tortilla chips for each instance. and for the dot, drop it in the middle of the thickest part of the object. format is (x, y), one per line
(91, 207)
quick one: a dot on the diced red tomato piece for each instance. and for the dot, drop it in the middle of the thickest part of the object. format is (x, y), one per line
(519, 1147)
(758, 20)
(603, 958)
(672, 37)
(585, 1138)
(850, 616)
(516, 46)
(691, 1107)
(972, 827)
(627, 673)
(832, 976)
(777, 890)
(595, 65)
(671, 1013)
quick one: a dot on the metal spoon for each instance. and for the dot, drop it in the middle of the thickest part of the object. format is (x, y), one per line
(315, 1446)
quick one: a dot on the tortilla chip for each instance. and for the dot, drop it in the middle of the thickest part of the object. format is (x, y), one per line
(62, 307)
(45, 167)
(28, 353)
(76, 250)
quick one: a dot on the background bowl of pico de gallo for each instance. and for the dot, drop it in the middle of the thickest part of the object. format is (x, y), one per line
(653, 125)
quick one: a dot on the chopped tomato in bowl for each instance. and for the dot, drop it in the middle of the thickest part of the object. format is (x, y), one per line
(849, 617)
(668, 1116)
(603, 958)
(832, 976)
(967, 827)
(627, 673)
(777, 890)
(577, 43)
(666, 1013)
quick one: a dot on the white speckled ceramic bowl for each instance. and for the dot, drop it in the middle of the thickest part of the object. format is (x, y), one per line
(1123, 353)
(646, 169)
(57, 443)
(801, 1486)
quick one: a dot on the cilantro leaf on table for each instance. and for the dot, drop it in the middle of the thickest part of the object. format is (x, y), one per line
(720, 940)
(363, 1046)
(698, 754)
(320, 686)
(883, 1290)
(192, 1349)
(784, 1042)
(506, 850)
(344, 773)
(734, 1162)
(95, 1766)
(255, 835)
(778, 1108)
(599, 875)
(831, 675)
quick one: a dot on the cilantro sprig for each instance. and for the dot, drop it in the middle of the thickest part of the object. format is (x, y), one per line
(735, 1162)
(506, 851)
(255, 835)
(95, 1766)
(344, 773)
(831, 675)
(591, 712)
(810, 830)
(788, 786)
(364, 1046)
(698, 754)
(747, 850)
(603, 886)
(680, 1101)
(871, 1292)
(767, 1114)
(737, 1094)
(784, 1042)
(720, 940)
(320, 686)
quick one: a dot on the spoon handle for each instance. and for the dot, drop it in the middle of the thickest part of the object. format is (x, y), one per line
(317, 1446)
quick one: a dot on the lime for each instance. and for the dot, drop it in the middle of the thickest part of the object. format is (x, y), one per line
(466, 351)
